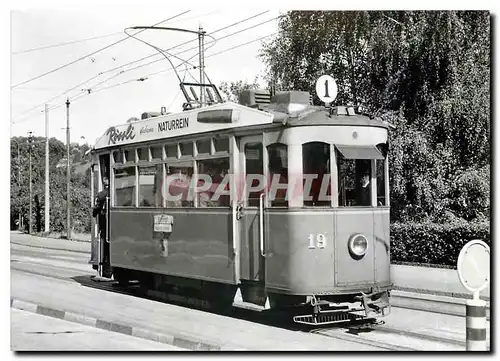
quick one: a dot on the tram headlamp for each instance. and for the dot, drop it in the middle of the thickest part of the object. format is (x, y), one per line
(357, 245)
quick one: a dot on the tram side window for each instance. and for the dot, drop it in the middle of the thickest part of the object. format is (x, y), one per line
(125, 187)
(129, 155)
(142, 154)
(150, 194)
(214, 180)
(354, 182)
(381, 182)
(178, 184)
(203, 146)
(316, 170)
(171, 150)
(118, 157)
(278, 173)
(221, 144)
(254, 165)
(186, 149)
(156, 152)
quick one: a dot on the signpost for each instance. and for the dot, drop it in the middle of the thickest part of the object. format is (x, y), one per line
(473, 268)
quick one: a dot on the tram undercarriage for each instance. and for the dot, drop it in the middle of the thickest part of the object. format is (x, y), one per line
(325, 312)
(221, 297)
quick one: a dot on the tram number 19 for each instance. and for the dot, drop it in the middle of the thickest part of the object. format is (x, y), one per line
(317, 240)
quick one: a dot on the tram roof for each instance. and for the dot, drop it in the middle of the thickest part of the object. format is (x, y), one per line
(225, 116)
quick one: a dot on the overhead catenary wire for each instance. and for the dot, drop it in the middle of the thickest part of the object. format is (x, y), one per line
(65, 43)
(193, 48)
(148, 76)
(20, 116)
(184, 43)
(88, 55)
(163, 52)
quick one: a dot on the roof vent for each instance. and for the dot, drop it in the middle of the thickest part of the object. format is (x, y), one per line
(291, 97)
(342, 110)
(147, 115)
(252, 97)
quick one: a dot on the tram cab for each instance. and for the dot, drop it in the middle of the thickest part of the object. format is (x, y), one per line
(280, 201)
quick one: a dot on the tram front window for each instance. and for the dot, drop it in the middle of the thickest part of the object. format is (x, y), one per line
(278, 172)
(316, 170)
(354, 182)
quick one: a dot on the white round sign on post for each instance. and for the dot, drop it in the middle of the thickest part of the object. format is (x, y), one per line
(326, 88)
(473, 266)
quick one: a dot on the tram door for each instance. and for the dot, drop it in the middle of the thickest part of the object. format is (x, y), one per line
(251, 182)
(94, 189)
(104, 233)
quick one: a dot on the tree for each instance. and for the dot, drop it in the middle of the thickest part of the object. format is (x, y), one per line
(230, 91)
(427, 72)
(19, 197)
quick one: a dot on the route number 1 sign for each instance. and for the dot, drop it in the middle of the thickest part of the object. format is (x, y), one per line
(326, 88)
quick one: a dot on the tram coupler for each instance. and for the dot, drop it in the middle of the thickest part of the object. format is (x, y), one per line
(377, 302)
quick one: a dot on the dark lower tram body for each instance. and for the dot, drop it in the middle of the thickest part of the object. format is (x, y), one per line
(284, 258)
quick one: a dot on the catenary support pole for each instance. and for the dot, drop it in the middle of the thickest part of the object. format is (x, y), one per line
(68, 175)
(47, 179)
(201, 39)
(30, 148)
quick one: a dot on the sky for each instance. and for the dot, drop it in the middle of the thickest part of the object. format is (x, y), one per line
(92, 113)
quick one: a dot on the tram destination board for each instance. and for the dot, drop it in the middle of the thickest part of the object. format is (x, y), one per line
(163, 223)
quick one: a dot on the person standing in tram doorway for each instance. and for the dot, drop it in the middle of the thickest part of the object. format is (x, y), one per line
(99, 211)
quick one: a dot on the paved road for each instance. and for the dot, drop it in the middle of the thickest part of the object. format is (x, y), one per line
(39, 274)
(33, 332)
(59, 281)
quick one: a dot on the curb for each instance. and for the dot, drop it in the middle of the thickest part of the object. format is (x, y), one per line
(54, 236)
(52, 248)
(423, 291)
(432, 303)
(186, 342)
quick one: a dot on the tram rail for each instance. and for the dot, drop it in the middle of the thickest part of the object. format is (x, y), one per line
(364, 331)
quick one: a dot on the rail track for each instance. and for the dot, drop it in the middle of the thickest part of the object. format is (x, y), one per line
(366, 331)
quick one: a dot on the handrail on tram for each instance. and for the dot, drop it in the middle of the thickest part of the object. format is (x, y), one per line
(261, 224)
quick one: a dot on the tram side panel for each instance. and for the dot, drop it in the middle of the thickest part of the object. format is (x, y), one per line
(382, 244)
(199, 246)
(295, 262)
(307, 253)
(350, 270)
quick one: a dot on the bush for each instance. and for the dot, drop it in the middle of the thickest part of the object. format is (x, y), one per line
(432, 243)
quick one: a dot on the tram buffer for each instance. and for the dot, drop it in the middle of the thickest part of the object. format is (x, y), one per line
(99, 212)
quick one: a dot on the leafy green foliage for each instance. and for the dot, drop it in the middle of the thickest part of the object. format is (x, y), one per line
(230, 91)
(432, 243)
(19, 195)
(428, 73)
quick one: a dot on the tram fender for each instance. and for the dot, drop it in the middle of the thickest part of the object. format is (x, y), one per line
(377, 302)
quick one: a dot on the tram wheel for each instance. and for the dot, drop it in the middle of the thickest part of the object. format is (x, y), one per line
(121, 275)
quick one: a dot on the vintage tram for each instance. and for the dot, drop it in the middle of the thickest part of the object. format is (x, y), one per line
(280, 201)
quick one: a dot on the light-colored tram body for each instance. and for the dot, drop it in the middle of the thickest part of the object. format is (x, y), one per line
(289, 251)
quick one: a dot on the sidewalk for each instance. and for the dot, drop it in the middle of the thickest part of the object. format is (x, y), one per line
(426, 280)
(188, 326)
